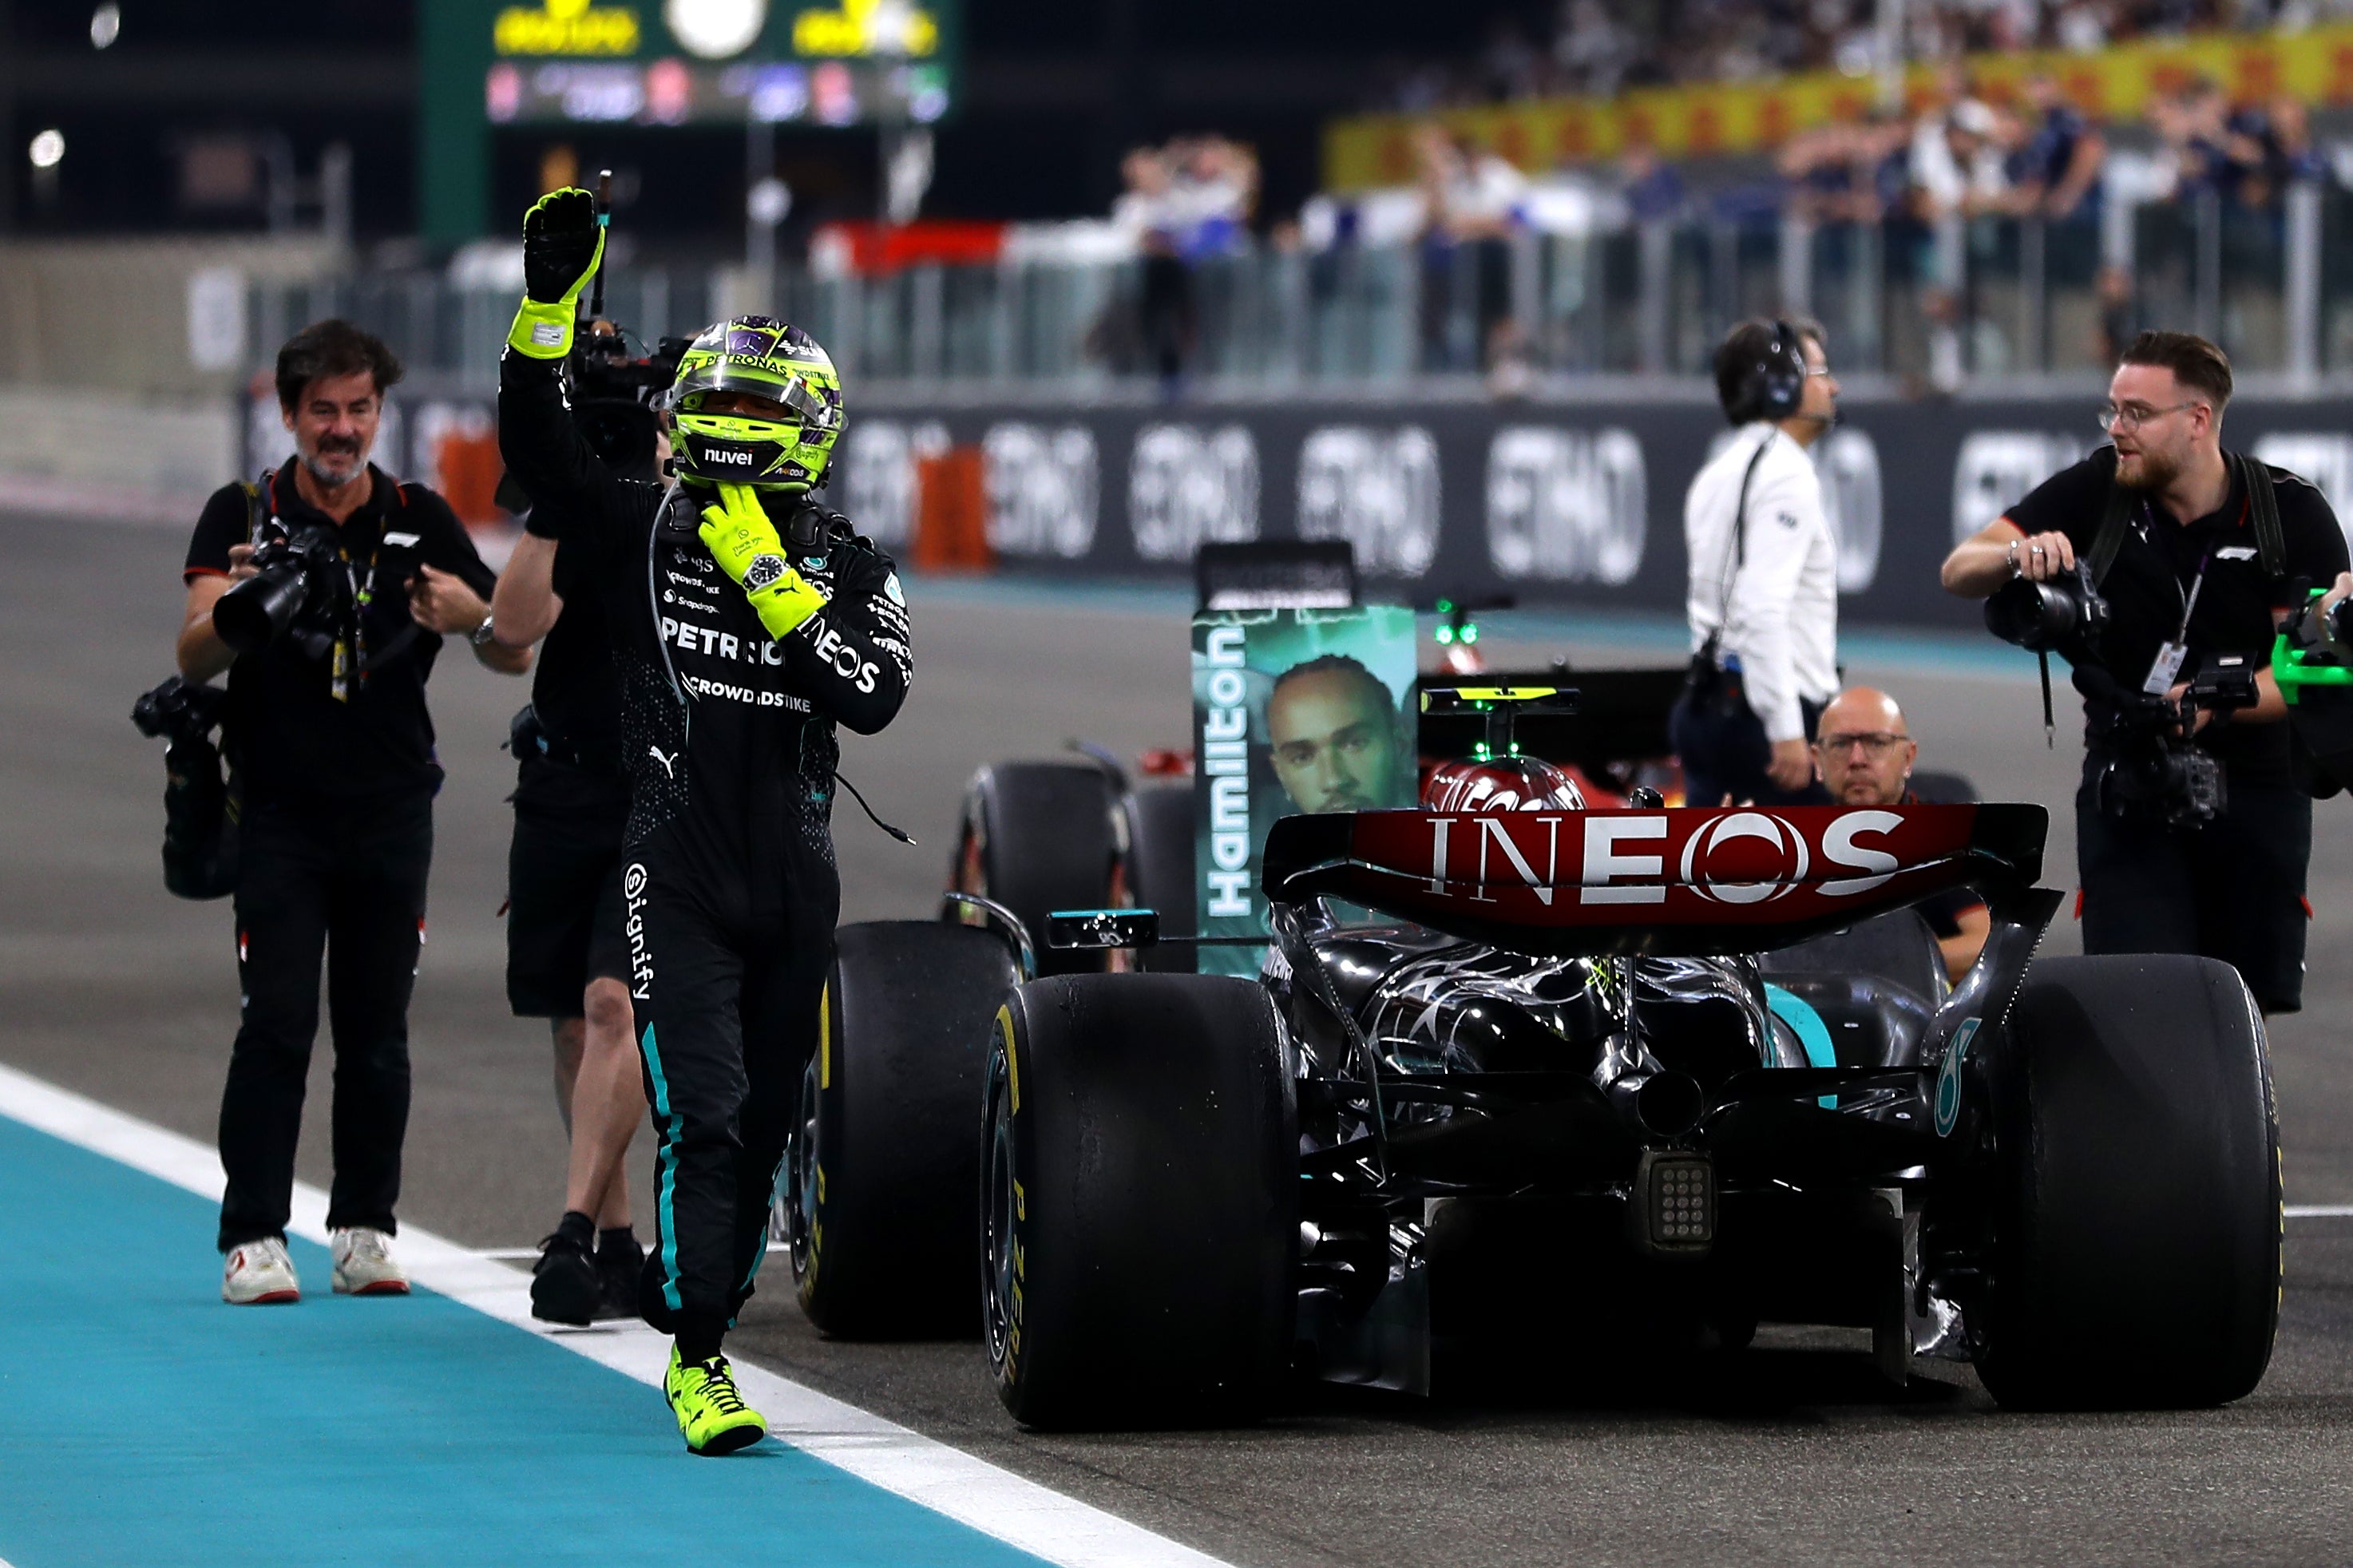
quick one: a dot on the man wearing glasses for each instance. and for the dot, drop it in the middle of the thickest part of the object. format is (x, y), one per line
(1762, 597)
(1866, 753)
(2191, 572)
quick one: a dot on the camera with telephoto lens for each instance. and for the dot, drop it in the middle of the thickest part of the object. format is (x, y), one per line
(299, 589)
(2157, 772)
(2049, 617)
(200, 807)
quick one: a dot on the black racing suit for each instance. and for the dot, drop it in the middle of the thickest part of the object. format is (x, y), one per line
(728, 875)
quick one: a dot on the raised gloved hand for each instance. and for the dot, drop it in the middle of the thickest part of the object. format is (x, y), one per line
(562, 244)
(747, 546)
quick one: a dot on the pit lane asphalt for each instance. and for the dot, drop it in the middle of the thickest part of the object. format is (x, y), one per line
(111, 987)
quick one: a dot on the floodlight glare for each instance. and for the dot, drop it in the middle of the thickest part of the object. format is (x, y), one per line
(715, 30)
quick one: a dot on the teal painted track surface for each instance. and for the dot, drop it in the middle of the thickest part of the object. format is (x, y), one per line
(145, 1422)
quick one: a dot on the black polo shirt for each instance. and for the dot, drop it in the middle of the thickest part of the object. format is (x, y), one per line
(291, 736)
(573, 688)
(2151, 578)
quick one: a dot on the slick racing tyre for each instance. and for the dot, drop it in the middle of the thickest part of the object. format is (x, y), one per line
(1036, 837)
(1159, 867)
(1140, 1209)
(882, 1164)
(2136, 1225)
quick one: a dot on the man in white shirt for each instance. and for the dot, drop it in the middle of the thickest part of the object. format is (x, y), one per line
(1764, 576)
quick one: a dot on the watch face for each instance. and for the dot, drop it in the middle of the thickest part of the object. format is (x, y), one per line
(763, 570)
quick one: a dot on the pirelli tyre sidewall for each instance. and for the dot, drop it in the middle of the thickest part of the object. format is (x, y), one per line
(2135, 1180)
(1037, 837)
(881, 1167)
(1140, 1214)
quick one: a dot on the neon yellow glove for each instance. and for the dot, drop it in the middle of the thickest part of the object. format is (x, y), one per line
(747, 548)
(563, 245)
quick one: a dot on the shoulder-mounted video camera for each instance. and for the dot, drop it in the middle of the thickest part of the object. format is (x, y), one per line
(611, 392)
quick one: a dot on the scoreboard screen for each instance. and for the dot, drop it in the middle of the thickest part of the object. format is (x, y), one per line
(687, 62)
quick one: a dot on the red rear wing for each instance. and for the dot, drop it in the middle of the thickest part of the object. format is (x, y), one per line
(1729, 880)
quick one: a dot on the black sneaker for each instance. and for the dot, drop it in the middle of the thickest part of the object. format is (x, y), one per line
(619, 1263)
(564, 1284)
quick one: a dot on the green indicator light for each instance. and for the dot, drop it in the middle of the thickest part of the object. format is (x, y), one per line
(1470, 633)
(1446, 633)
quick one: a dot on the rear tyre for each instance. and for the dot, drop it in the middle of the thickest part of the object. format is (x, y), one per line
(1036, 837)
(881, 1165)
(1160, 868)
(1140, 1209)
(2137, 1258)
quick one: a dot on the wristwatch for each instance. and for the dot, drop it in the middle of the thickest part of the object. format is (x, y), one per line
(481, 635)
(763, 571)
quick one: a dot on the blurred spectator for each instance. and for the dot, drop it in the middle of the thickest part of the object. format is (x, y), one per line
(1189, 200)
(1592, 51)
(1473, 202)
(1599, 47)
(2210, 149)
(2056, 173)
(1652, 189)
(1166, 322)
(1510, 66)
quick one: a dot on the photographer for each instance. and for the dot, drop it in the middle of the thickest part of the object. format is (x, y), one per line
(325, 592)
(1763, 598)
(2164, 573)
(568, 955)
(747, 622)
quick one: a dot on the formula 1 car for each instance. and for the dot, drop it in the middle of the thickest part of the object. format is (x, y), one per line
(1679, 1065)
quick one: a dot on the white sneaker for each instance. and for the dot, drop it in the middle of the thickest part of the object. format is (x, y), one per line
(363, 1264)
(259, 1272)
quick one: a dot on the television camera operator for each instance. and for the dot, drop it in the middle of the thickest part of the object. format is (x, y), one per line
(325, 592)
(567, 954)
(2161, 568)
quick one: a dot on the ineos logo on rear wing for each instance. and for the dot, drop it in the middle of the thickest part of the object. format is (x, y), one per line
(1690, 879)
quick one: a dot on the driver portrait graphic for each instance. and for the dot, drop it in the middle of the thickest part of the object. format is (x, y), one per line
(1295, 711)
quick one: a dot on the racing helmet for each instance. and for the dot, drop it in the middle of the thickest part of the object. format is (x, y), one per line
(1501, 784)
(785, 447)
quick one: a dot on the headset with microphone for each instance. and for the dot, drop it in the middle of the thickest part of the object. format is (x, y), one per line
(1775, 386)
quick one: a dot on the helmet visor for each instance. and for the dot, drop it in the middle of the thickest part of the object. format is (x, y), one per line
(794, 398)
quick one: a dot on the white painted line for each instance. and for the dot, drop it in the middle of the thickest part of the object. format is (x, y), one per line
(995, 1501)
(2319, 1211)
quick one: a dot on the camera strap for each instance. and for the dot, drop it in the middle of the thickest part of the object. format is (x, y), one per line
(1735, 552)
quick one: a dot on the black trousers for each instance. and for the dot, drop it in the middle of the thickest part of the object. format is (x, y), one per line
(1723, 752)
(344, 879)
(727, 967)
(2232, 889)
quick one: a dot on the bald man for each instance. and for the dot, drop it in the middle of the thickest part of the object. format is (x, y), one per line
(1864, 753)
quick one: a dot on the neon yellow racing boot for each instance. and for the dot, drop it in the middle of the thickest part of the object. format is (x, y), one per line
(711, 1416)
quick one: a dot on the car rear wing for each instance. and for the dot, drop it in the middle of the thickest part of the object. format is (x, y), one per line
(1684, 881)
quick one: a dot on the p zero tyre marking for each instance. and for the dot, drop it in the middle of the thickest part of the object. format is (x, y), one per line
(1012, 1073)
(825, 1036)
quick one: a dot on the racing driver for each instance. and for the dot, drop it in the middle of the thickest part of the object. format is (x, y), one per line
(746, 623)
